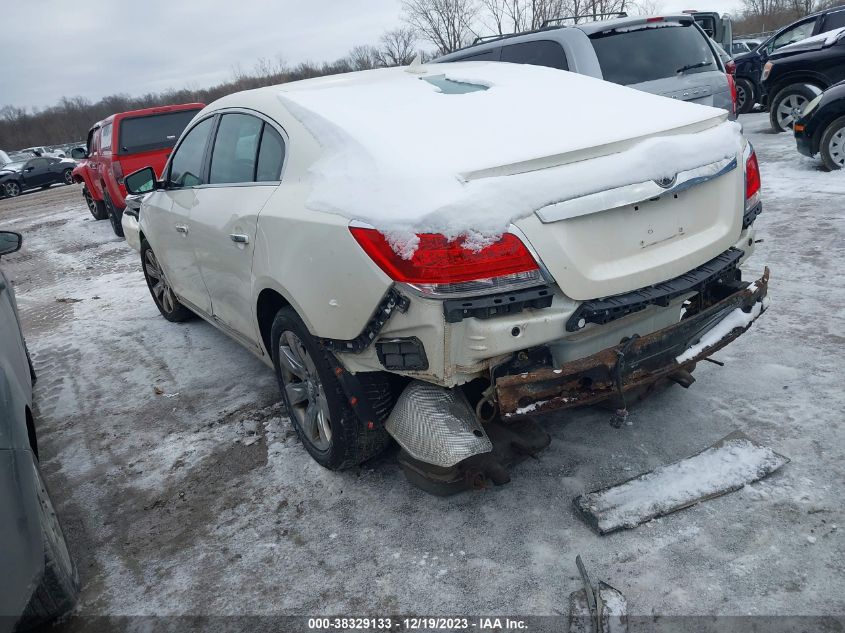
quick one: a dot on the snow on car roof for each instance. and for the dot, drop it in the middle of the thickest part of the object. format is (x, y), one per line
(408, 156)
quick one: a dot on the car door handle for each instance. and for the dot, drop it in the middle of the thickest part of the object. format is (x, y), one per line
(181, 228)
(239, 238)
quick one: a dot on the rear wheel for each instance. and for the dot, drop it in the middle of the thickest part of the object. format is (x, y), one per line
(832, 146)
(67, 176)
(59, 588)
(163, 295)
(788, 104)
(115, 214)
(12, 189)
(744, 96)
(315, 400)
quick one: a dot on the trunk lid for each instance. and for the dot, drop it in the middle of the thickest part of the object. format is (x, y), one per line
(625, 238)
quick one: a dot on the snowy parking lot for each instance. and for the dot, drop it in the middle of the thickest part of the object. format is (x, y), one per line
(185, 491)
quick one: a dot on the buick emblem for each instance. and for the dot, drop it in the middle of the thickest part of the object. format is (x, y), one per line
(666, 182)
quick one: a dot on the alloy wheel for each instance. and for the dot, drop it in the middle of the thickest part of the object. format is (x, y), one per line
(741, 96)
(88, 200)
(304, 391)
(13, 189)
(68, 176)
(162, 292)
(788, 108)
(836, 147)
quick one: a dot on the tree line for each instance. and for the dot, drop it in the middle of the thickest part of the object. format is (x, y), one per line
(430, 28)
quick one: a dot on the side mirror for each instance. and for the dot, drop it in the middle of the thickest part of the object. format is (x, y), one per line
(10, 242)
(29, 169)
(78, 153)
(141, 181)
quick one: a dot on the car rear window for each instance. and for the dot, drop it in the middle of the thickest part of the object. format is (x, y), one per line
(157, 131)
(632, 56)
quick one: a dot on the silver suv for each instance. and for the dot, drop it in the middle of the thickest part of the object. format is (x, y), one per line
(669, 56)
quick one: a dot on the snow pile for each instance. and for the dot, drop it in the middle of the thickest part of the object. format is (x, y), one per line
(404, 156)
(714, 471)
(734, 320)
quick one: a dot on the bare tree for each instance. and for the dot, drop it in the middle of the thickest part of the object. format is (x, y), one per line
(398, 47)
(645, 7)
(364, 57)
(445, 23)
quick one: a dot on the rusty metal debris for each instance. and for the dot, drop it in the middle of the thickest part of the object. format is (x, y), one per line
(634, 363)
(596, 609)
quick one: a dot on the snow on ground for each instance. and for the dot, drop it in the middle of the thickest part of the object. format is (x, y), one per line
(206, 503)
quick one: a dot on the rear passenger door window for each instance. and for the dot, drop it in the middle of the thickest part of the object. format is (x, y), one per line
(537, 53)
(105, 137)
(834, 21)
(235, 153)
(186, 166)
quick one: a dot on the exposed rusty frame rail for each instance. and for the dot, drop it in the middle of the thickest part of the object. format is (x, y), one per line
(634, 363)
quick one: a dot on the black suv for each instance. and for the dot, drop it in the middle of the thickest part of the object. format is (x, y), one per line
(797, 74)
(749, 67)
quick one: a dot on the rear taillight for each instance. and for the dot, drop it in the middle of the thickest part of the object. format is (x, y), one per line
(732, 86)
(730, 67)
(752, 180)
(443, 267)
(117, 170)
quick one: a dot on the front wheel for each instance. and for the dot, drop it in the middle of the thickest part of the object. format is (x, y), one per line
(744, 96)
(316, 402)
(787, 105)
(163, 295)
(12, 189)
(96, 207)
(115, 214)
(832, 146)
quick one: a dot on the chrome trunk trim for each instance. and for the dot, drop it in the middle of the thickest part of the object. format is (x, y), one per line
(634, 193)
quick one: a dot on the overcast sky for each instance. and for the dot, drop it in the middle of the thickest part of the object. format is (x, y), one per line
(95, 48)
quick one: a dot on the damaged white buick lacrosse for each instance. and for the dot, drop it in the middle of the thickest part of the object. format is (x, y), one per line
(440, 253)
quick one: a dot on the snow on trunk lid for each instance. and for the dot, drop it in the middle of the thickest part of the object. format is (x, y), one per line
(407, 158)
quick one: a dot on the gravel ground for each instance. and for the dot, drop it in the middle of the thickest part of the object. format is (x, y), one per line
(199, 500)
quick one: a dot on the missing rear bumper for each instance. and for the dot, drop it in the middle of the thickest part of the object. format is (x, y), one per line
(636, 362)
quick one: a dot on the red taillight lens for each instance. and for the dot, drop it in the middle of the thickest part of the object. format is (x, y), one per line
(752, 180)
(730, 67)
(117, 170)
(732, 86)
(438, 261)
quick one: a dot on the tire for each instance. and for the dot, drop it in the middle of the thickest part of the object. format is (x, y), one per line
(12, 189)
(160, 290)
(744, 96)
(67, 176)
(58, 590)
(308, 382)
(785, 101)
(96, 207)
(115, 215)
(832, 145)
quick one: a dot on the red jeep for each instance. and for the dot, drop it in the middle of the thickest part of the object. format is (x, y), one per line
(121, 144)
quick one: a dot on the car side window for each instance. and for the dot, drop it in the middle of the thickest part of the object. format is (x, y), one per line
(271, 155)
(186, 166)
(795, 34)
(105, 137)
(536, 53)
(235, 149)
(834, 21)
(491, 55)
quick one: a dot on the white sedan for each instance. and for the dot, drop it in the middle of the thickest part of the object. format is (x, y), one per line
(409, 246)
